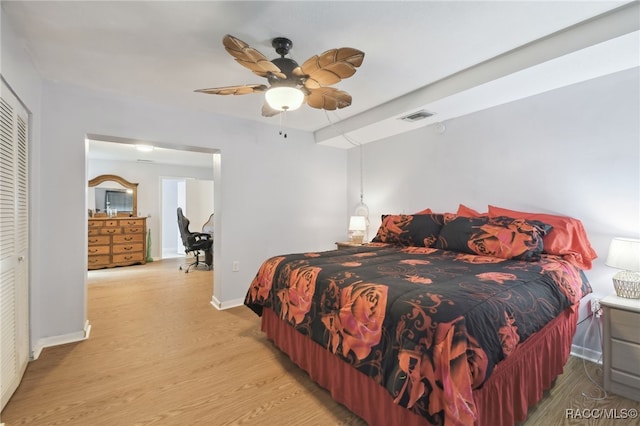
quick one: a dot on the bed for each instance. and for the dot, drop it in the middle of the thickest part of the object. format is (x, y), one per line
(442, 319)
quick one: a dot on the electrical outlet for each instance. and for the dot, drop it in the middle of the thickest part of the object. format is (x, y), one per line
(235, 266)
(596, 309)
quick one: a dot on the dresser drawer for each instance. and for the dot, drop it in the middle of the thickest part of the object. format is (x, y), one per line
(127, 248)
(128, 238)
(98, 261)
(132, 222)
(625, 356)
(133, 229)
(94, 231)
(626, 379)
(96, 223)
(624, 325)
(93, 250)
(97, 240)
(110, 231)
(128, 257)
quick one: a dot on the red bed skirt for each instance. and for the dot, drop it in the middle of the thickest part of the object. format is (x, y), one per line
(516, 383)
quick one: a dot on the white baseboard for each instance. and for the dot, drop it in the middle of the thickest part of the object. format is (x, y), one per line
(60, 340)
(586, 353)
(226, 305)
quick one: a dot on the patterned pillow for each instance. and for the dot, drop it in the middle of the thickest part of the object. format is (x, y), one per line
(417, 230)
(568, 237)
(502, 237)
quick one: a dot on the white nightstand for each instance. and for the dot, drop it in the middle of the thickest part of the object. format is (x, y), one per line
(347, 244)
(622, 346)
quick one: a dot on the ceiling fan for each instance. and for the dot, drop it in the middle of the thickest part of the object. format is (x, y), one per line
(291, 84)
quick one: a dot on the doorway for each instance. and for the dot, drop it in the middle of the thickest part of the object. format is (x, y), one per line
(195, 197)
(181, 166)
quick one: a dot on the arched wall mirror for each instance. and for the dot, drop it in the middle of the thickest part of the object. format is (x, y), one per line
(111, 195)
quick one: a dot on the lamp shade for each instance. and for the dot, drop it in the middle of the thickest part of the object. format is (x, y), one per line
(284, 98)
(624, 253)
(357, 223)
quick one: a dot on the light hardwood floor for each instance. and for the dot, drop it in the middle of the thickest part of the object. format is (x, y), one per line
(160, 354)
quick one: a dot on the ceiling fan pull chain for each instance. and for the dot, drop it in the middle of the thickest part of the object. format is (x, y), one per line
(283, 119)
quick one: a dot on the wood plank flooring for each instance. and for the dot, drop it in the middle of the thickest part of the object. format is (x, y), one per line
(160, 354)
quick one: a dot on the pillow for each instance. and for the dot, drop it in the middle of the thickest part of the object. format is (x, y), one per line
(501, 237)
(567, 238)
(468, 212)
(425, 211)
(418, 230)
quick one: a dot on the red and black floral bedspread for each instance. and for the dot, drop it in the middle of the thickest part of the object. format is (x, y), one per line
(428, 325)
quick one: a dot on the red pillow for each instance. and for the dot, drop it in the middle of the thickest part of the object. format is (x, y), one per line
(468, 212)
(567, 238)
(425, 211)
(462, 211)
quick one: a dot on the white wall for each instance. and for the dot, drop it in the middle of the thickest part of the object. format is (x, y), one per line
(262, 175)
(573, 151)
(171, 242)
(279, 195)
(199, 202)
(21, 76)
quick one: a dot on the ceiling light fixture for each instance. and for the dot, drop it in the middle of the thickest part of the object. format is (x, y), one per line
(144, 148)
(290, 84)
(284, 98)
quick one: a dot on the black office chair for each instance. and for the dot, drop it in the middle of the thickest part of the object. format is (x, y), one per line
(195, 242)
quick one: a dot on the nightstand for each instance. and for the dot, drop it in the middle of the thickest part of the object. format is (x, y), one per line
(346, 244)
(622, 346)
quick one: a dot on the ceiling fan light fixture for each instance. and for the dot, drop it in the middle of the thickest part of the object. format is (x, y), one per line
(284, 98)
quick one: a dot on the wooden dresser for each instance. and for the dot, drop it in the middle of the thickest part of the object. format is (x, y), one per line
(117, 241)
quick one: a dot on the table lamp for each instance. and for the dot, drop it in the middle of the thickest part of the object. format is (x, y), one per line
(357, 226)
(624, 254)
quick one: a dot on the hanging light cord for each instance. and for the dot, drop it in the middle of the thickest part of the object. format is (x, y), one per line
(283, 120)
(362, 209)
(361, 174)
(354, 143)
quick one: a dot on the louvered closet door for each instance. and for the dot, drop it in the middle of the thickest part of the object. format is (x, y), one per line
(14, 237)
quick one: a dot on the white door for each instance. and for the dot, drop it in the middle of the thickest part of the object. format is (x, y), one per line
(14, 237)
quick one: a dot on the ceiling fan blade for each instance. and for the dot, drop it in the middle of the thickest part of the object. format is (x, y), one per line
(250, 58)
(328, 98)
(331, 66)
(267, 111)
(235, 90)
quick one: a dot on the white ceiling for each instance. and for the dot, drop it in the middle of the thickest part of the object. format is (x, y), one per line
(449, 57)
(117, 149)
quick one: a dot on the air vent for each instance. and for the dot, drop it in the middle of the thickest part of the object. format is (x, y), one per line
(416, 116)
(140, 160)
